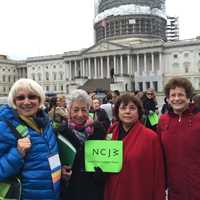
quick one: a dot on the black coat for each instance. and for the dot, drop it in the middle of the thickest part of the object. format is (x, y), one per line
(84, 185)
(101, 116)
(149, 105)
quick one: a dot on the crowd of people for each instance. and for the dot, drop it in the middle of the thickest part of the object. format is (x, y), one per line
(160, 147)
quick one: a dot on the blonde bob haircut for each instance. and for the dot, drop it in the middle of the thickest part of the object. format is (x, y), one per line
(26, 84)
(78, 95)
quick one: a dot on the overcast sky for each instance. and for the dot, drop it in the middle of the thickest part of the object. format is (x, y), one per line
(47, 27)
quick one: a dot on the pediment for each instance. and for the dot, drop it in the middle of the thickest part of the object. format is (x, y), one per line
(104, 46)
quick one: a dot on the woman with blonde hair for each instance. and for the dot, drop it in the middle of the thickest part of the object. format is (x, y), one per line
(33, 158)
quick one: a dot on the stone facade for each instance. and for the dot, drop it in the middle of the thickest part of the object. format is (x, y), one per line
(133, 64)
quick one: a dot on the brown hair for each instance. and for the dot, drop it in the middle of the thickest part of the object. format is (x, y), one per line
(179, 82)
(125, 99)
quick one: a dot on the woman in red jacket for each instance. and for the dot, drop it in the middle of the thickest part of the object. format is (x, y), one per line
(180, 134)
(142, 174)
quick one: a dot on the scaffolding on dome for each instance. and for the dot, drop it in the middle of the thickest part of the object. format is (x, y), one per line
(130, 18)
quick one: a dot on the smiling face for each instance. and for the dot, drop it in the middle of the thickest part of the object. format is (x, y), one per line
(27, 103)
(79, 112)
(178, 100)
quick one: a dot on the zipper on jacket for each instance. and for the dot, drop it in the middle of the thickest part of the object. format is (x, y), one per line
(179, 118)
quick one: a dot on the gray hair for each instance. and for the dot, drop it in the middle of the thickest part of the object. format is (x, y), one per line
(29, 85)
(78, 95)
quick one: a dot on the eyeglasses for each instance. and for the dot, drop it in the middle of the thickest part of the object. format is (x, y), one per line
(149, 93)
(130, 108)
(23, 97)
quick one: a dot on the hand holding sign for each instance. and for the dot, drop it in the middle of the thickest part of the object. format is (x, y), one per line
(107, 155)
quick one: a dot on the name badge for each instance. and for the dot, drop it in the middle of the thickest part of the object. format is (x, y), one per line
(55, 166)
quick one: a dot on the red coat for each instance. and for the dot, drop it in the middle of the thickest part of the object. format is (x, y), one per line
(142, 175)
(181, 141)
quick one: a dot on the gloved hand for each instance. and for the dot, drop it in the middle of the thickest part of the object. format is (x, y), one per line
(66, 173)
(99, 176)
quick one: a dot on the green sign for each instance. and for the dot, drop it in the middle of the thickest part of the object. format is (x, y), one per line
(108, 155)
(153, 118)
(4, 188)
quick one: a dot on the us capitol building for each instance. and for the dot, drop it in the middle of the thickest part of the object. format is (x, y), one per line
(136, 47)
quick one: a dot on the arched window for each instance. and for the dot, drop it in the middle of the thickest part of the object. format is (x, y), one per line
(61, 75)
(33, 76)
(198, 65)
(186, 66)
(39, 77)
(54, 75)
(47, 76)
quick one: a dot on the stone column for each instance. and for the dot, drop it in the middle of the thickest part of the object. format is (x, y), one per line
(101, 67)
(145, 62)
(70, 70)
(138, 64)
(75, 68)
(152, 62)
(89, 68)
(83, 67)
(115, 68)
(95, 67)
(108, 67)
(128, 65)
(160, 63)
(121, 65)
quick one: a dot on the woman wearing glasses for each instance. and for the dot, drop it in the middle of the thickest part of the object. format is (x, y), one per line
(142, 174)
(150, 108)
(33, 158)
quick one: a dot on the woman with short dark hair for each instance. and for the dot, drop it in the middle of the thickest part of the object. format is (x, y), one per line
(142, 174)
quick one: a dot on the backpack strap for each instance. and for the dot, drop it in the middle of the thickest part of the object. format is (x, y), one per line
(20, 131)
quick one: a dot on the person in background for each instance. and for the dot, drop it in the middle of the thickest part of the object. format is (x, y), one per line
(166, 107)
(58, 112)
(99, 114)
(92, 95)
(150, 107)
(142, 174)
(196, 101)
(82, 185)
(179, 131)
(115, 95)
(108, 106)
(139, 94)
(47, 104)
(34, 158)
